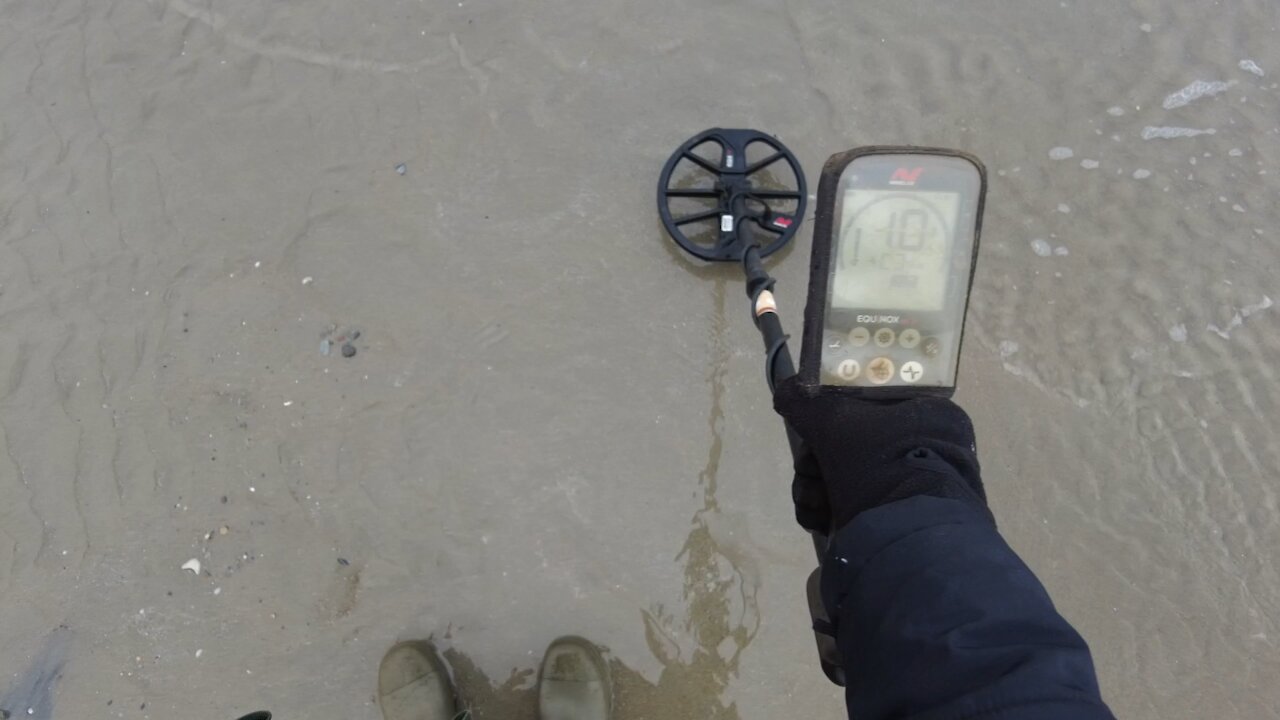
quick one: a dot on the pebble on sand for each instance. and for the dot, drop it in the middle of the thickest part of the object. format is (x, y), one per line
(1041, 247)
(401, 169)
(348, 350)
(193, 565)
(1061, 153)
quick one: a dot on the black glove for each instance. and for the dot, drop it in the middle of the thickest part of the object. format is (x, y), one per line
(864, 453)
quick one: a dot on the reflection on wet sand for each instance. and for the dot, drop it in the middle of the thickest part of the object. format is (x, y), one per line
(721, 615)
(699, 653)
(515, 697)
(31, 694)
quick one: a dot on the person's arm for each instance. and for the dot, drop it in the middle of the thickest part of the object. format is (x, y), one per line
(936, 617)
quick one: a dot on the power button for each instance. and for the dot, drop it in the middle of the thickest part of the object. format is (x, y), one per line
(848, 369)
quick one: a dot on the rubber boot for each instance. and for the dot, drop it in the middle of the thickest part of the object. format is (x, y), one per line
(414, 684)
(573, 682)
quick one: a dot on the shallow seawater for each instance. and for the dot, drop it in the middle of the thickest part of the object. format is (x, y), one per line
(552, 422)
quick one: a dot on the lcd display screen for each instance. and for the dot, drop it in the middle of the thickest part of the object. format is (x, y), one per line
(894, 250)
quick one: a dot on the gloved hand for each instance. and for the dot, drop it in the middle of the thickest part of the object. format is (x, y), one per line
(865, 453)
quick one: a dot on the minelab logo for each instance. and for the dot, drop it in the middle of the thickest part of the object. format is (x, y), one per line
(903, 176)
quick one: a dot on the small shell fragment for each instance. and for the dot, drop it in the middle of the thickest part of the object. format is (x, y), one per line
(193, 565)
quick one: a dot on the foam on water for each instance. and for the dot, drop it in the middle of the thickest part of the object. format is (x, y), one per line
(1170, 133)
(1252, 67)
(1239, 317)
(1195, 91)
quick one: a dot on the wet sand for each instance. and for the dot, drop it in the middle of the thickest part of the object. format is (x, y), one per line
(555, 424)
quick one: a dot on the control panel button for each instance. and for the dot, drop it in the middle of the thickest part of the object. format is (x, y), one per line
(885, 337)
(932, 346)
(848, 370)
(859, 336)
(832, 341)
(880, 370)
(912, 371)
(909, 338)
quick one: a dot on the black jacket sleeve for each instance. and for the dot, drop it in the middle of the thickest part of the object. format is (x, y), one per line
(938, 619)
